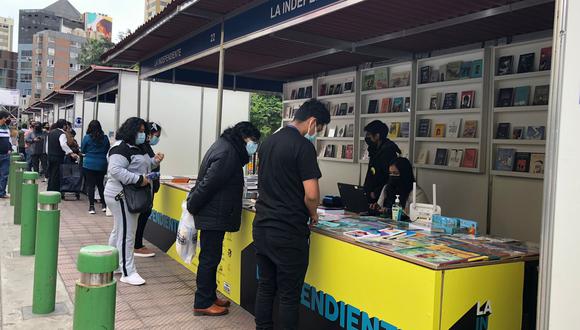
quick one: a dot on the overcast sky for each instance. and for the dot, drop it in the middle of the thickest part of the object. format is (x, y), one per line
(126, 14)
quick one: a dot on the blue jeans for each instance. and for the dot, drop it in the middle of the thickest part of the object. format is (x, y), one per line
(4, 169)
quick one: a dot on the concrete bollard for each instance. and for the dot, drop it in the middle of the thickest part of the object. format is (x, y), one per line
(96, 291)
(19, 168)
(47, 233)
(28, 213)
(14, 157)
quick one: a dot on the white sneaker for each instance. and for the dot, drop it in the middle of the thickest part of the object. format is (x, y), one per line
(133, 279)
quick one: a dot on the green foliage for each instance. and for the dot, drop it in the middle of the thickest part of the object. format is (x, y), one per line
(92, 50)
(266, 113)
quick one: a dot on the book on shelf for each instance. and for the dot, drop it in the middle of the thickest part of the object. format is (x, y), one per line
(435, 101)
(348, 86)
(342, 152)
(350, 109)
(455, 157)
(338, 89)
(541, 95)
(368, 82)
(522, 162)
(324, 132)
(340, 132)
(452, 128)
(394, 130)
(301, 92)
(505, 97)
(322, 152)
(349, 151)
(465, 71)
(386, 105)
(477, 69)
(504, 159)
(545, 59)
(322, 90)
(467, 99)
(400, 79)
(526, 63)
(330, 90)
(373, 106)
(536, 133)
(425, 76)
(364, 151)
(429, 256)
(331, 131)
(450, 101)
(398, 104)
(442, 72)
(505, 65)
(537, 163)
(349, 130)
(405, 129)
(441, 157)
(503, 131)
(424, 129)
(308, 92)
(328, 150)
(469, 129)
(407, 107)
(293, 94)
(381, 78)
(521, 96)
(423, 157)
(453, 70)
(518, 133)
(439, 130)
(343, 109)
(469, 158)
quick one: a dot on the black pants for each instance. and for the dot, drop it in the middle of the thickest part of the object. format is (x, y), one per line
(38, 164)
(211, 243)
(54, 173)
(282, 263)
(92, 179)
(142, 222)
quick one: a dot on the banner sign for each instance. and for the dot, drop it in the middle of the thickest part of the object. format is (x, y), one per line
(9, 97)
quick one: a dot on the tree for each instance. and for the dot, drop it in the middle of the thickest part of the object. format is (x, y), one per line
(266, 113)
(92, 50)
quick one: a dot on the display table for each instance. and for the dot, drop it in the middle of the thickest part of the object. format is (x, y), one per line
(352, 286)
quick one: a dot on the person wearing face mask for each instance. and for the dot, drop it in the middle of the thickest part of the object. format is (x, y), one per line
(128, 164)
(36, 140)
(95, 146)
(400, 183)
(5, 149)
(382, 152)
(216, 204)
(286, 209)
(57, 150)
(153, 134)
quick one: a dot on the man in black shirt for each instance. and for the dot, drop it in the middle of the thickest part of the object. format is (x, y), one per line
(289, 196)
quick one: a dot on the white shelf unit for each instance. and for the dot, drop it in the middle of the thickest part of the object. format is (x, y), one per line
(524, 115)
(394, 82)
(458, 114)
(288, 103)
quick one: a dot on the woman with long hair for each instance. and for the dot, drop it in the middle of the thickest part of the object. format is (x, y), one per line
(94, 147)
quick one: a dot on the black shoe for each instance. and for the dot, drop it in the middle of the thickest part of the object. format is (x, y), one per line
(92, 209)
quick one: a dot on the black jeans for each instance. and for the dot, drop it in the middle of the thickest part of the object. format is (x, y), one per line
(54, 173)
(38, 164)
(141, 223)
(92, 179)
(211, 243)
(282, 263)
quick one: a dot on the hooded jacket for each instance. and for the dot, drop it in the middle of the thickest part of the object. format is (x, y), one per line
(378, 170)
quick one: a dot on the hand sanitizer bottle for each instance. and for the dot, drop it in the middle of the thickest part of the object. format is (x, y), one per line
(396, 209)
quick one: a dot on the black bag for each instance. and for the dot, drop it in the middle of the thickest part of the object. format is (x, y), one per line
(138, 198)
(71, 179)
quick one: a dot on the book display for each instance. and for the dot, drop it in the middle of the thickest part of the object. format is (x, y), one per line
(449, 117)
(294, 95)
(520, 95)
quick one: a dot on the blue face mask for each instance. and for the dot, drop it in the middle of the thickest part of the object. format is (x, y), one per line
(311, 137)
(154, 140)
(251, 148)
(140, 139)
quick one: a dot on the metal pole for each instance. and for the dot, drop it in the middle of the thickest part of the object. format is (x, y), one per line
(17, 189)
(220, 100)
(83, 115)
(96, 105)
(28, 213)
(96, 291)
(44, 292)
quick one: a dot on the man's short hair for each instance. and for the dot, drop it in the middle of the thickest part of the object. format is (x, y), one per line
(313, 108)
(4, 114)
(378, 127)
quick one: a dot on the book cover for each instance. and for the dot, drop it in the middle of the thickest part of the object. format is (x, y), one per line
(505, 65)
(455, 157)
(541, 95)
(465, 71)
(434, 76)
(467, 99)
(349, 151)
(407, 107)
(503, 131)
(545, 59)
(398, 103)
(505, 97)
(424, 128)
(429, 256)
(338, 89)
(368, 82)
(522, 162)
(381, 78)
(373, 104)
(308, 93)
(328, 151)
(518, 133)
(331, 131)
(394, 130)
(349, 130)
(386, 105)
(537, 163)
(450, 101)
(469, 129)
(477, 69)
(469, 158)
(425, 75)
(526, 63)
(330, 90)
(342, 152)
(536, 133)
(391, 232)
(453, 128)
(521, 96)
(341, 131)
(504, 159)
(322, 90)
(439, 130)
(293, 94)
(441, 157)
(348, 86)
(359, 234)
(405, 129)
(435, 101)
(301, 92)
(453, 70)
(423, 157)
(342, 109)
(455, 252)
(400, 79)
(350, 109)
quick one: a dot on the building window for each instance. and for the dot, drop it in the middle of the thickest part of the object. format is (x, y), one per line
(50, 63)
(49, 85)
(38, 85)
(51, 51)
(74, 55)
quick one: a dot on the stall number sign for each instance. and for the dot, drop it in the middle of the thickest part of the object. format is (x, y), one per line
(78, 122)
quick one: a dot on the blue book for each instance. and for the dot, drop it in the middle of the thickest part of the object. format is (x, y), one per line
(504, 159)
(521, 96)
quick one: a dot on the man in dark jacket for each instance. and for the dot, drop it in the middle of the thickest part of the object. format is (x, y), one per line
(216, 204)
(382, 152)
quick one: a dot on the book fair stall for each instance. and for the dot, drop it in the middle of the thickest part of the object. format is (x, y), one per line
(464, 88)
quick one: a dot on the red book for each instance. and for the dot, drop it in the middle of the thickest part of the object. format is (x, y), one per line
(545, 59)
(467, 99)
(469, 158)
(386, 105)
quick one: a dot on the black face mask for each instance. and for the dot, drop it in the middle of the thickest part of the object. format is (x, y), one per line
(38, 129)
(8, 121)
(394, 181)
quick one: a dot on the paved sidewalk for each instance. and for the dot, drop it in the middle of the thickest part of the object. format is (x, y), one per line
(165, 302)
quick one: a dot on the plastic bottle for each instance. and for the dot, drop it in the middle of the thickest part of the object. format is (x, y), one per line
(396, 209)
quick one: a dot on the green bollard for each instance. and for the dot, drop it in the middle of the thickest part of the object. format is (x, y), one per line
(47, 226)
(19, 168)
(14, 157)
(96, 291)
(28, 213)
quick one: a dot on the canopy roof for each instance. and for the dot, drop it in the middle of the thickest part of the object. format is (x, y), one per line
(92, 76)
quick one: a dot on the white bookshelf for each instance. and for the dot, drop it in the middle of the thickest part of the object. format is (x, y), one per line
(290, 104)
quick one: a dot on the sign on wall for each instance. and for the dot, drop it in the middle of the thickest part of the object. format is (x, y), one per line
(9, 97)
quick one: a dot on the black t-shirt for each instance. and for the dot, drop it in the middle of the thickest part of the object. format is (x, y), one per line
(286, 160)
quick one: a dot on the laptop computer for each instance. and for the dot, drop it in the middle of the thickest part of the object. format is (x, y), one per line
(354, 198)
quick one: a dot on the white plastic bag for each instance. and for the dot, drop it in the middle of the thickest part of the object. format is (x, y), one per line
(185, 243)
